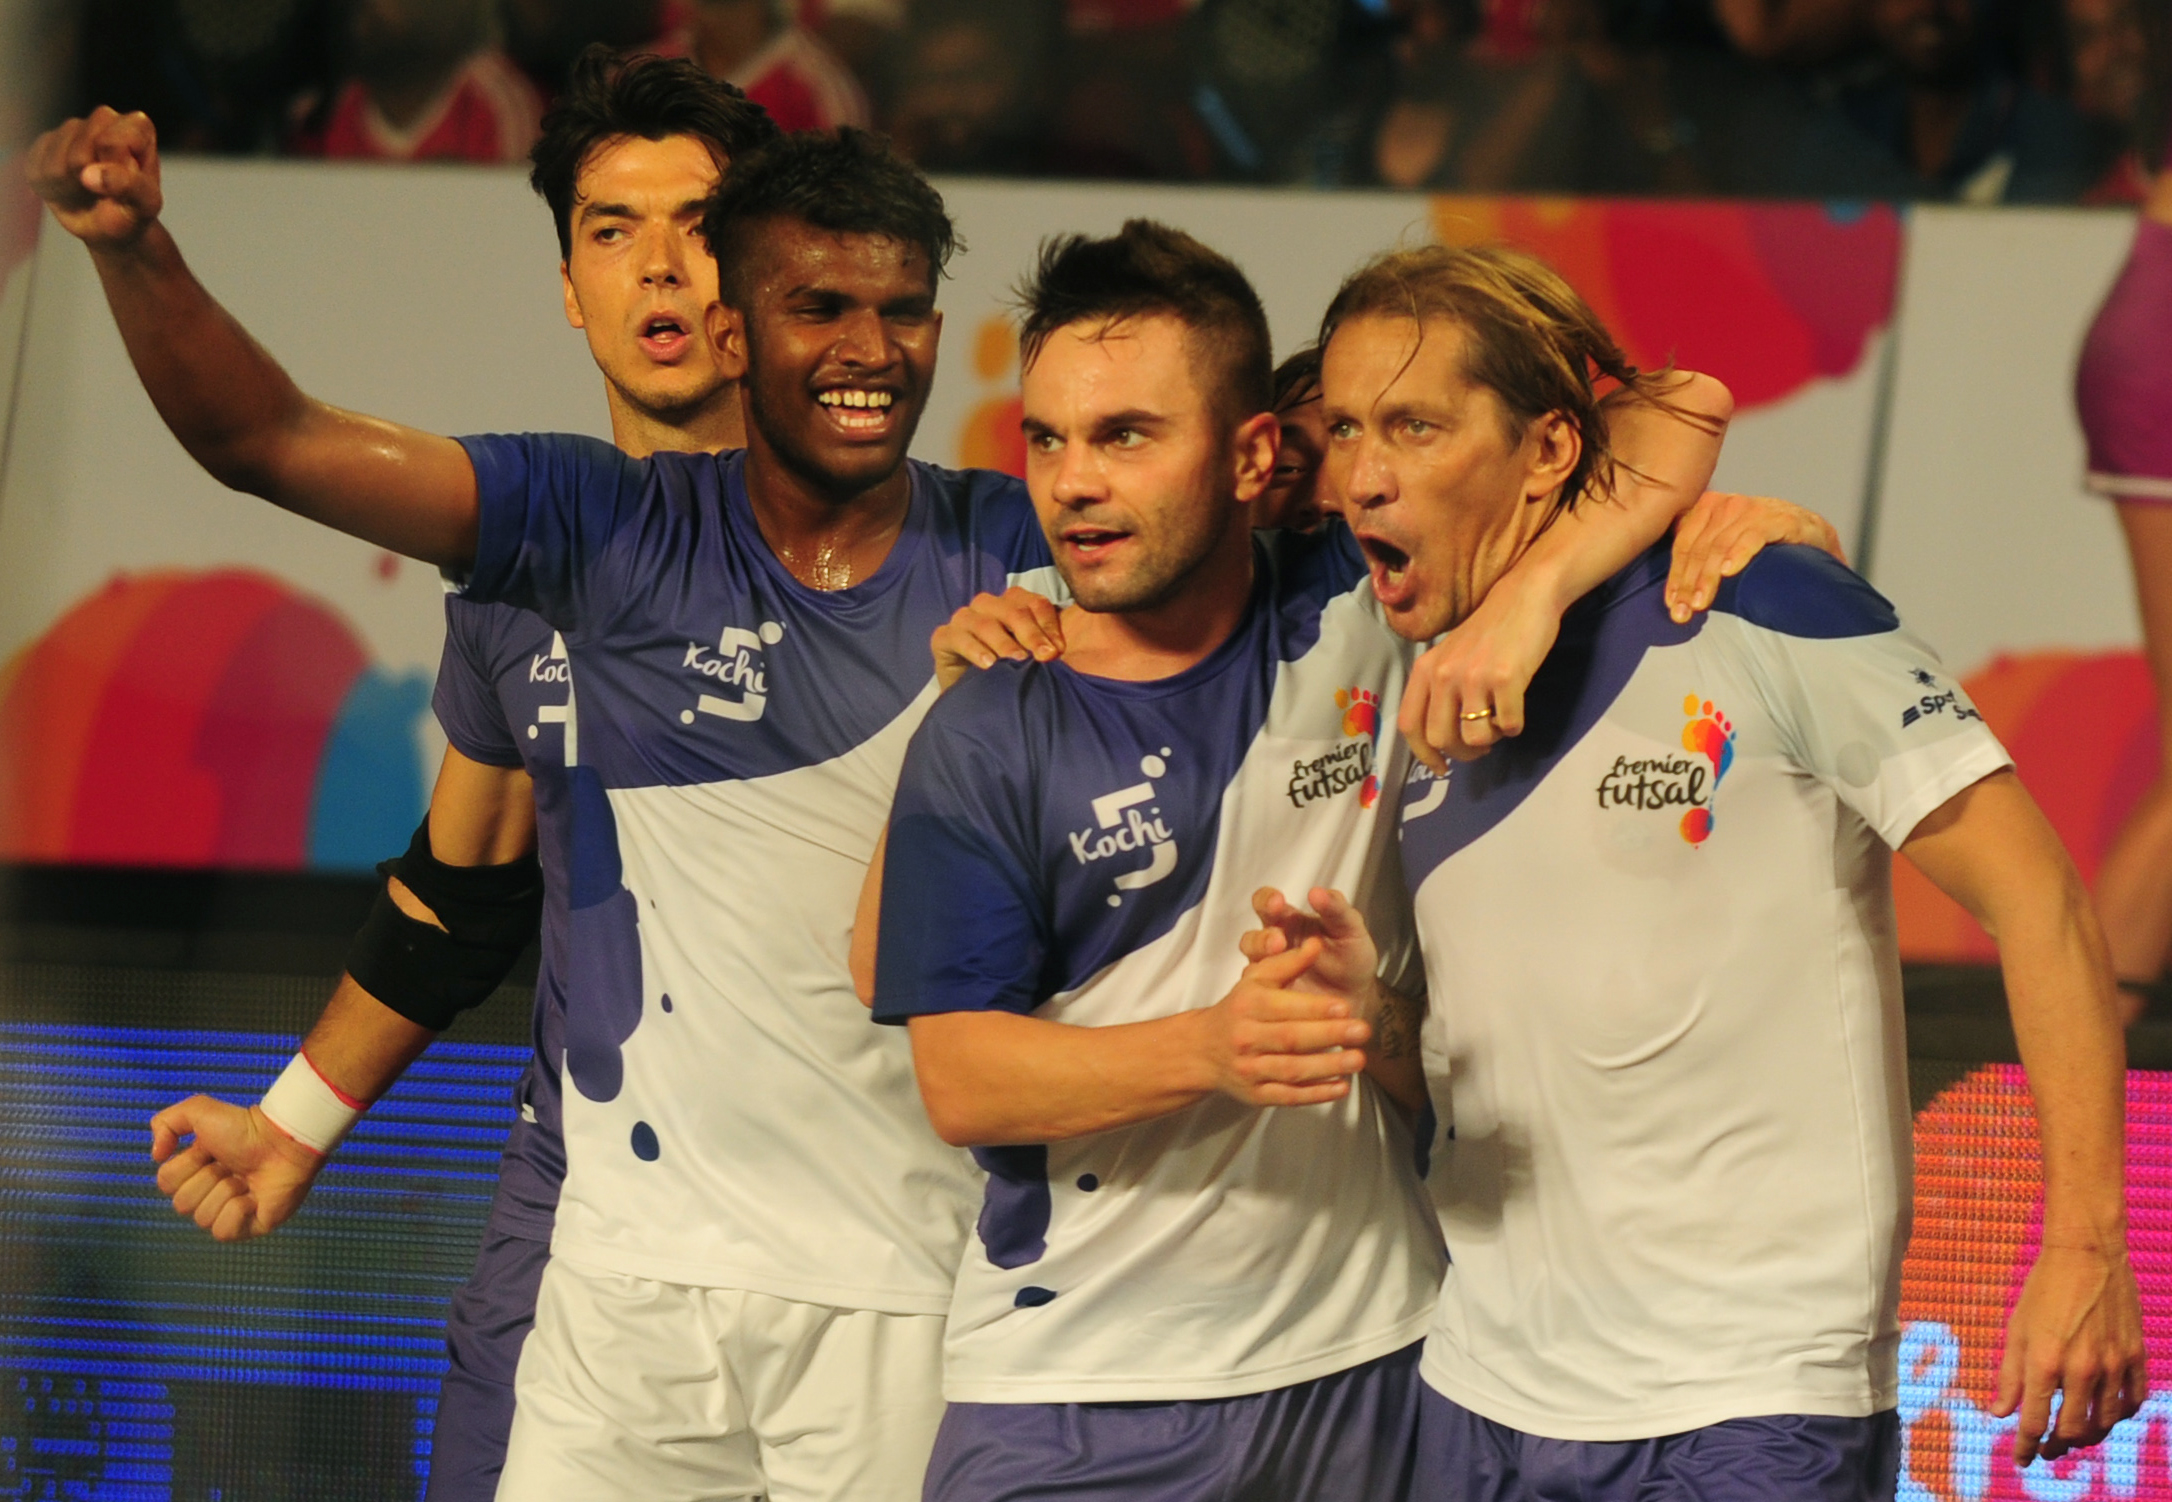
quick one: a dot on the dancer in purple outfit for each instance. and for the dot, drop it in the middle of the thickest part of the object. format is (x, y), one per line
(2124, 392)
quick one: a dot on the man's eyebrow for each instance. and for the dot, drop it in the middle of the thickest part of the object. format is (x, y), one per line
(590, 209)
(1130, 417)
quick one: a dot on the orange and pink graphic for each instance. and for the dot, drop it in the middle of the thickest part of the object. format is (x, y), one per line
(2082, 728)
(1768, 297)
(1711, 735)
(1978, 1222)
(1361, 716)
(991, 439)
(222, 718)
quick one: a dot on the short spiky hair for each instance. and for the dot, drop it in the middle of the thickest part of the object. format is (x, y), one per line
(609, 96)
(1143, 270)
(846, 181)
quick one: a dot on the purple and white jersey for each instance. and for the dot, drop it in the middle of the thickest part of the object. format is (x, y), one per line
(1084, 850)
(1666, 1040)
(732, 742)
(503, 683)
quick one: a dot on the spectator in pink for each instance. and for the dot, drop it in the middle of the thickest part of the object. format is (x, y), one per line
(780, 64)
(427, 83)
(2124, 392)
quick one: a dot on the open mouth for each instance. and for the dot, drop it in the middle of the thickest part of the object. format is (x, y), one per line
(1392, 583)
(857, 409)
(1090, 543)
(666, 335)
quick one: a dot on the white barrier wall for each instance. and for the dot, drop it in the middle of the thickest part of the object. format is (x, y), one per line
(1984, 536)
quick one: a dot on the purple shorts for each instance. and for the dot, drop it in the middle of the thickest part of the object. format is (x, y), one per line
(489, 1318)
(1783, 1458)
(1344, 1438)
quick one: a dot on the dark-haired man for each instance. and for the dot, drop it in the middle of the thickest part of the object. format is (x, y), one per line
(1293, 496)
(754, 1246)
(629, 155)
(1203, 1256)
(1666, 1028)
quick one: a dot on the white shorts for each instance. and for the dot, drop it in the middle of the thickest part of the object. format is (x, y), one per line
(630, 1388)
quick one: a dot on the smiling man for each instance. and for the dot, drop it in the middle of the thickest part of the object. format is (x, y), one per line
(1665, 1039)
(756, 1239)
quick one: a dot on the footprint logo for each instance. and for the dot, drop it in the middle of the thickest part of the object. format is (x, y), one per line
(1360, 711)
(1711, 735)
(1361, 716)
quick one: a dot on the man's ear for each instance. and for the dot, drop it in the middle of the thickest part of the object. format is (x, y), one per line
(1554, 445)
(728, 334)
(1253, 448)
(573, 301)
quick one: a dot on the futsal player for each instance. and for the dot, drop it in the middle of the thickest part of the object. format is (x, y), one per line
(1293, 495)
(1203, 1251)
(755, 1243)
(628, 157)
(1665, 1035)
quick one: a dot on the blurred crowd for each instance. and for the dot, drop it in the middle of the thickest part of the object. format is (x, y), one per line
(1979, 101)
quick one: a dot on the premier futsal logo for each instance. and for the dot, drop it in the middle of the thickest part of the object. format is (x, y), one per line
(738, 669)
(1661, 784)
(1127, 822)
(1349, 765)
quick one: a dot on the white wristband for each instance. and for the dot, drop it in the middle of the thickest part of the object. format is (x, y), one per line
(310, 1108)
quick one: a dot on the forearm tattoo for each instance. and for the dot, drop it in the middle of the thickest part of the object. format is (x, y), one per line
(1395, 1030)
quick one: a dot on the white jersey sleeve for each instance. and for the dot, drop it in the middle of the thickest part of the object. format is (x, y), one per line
(1871, 713)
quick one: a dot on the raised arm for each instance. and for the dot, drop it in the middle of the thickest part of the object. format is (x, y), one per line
(243, 1175)
(224, 397)
(2077, 1327)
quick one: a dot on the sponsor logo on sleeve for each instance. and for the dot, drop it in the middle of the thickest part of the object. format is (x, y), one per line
(1938, 701)
(1127, 822)
(738, 669)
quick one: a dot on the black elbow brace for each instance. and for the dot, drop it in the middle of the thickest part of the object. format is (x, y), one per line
(430, 975)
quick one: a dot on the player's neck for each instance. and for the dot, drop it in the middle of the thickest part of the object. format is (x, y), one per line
(826, 536)
(1142, 646)
(710, 428)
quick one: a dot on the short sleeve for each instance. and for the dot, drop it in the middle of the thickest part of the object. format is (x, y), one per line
(963, 920)
(466, 697)
(551, 504)
(1864, 704)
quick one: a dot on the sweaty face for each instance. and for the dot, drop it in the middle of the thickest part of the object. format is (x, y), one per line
(639, 277)
(1294, 498)
(1127, 460)
(841, 333)
(1421, 463)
